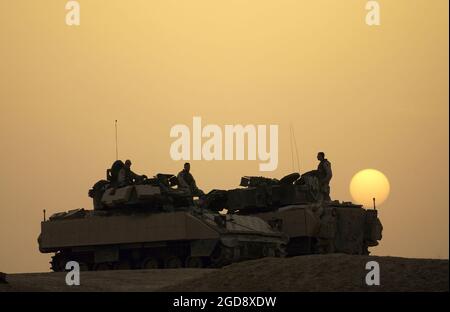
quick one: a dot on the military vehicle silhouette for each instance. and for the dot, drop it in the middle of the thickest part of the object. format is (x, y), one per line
(151, 223)
(295, 206)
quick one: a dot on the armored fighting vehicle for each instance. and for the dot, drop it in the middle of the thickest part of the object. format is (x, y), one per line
(152, 224)
(295, 205)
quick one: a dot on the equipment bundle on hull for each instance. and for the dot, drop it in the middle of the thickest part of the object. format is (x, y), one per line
(155, 223)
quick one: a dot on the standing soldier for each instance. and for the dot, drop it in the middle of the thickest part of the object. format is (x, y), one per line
(187, 181)
(324, 174)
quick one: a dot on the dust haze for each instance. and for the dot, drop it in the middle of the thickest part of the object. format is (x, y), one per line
(368, 97)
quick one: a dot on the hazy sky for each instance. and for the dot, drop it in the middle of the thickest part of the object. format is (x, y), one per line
(370, 97)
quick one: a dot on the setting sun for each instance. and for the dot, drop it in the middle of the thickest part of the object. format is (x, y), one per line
(368, 184)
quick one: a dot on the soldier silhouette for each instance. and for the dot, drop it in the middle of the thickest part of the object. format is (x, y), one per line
(324, 174)
(187, 181)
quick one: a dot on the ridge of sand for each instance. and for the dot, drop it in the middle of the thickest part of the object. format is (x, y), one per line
(334, 272)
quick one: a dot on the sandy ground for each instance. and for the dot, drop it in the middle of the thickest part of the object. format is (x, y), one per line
(336, 272)
(135, 280)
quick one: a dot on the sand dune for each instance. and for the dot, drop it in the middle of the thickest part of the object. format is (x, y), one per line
(335, 272)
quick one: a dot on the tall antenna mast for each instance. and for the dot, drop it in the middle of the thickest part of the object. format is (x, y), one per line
(117, 145)
(293, 141)
(292, 149)
(296, 150)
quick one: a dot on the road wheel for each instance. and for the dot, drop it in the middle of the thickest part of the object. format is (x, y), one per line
(268, 251)
(194, 262)
(280, 252)
(222, 256)
(173, 263)
(150, 263)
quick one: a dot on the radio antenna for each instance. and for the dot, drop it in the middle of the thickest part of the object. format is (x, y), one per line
(292, 149)
(117, 145)
(293, 142)
(296, 150)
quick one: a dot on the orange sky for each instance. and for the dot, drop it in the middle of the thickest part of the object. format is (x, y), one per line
(370, 97)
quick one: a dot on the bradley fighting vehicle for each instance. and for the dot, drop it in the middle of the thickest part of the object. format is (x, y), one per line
(152, 224)
(295, 205)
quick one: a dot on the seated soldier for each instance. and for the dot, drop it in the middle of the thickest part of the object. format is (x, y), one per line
(128, 176)
(121, 174)
(187, 181)
(112, 174)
